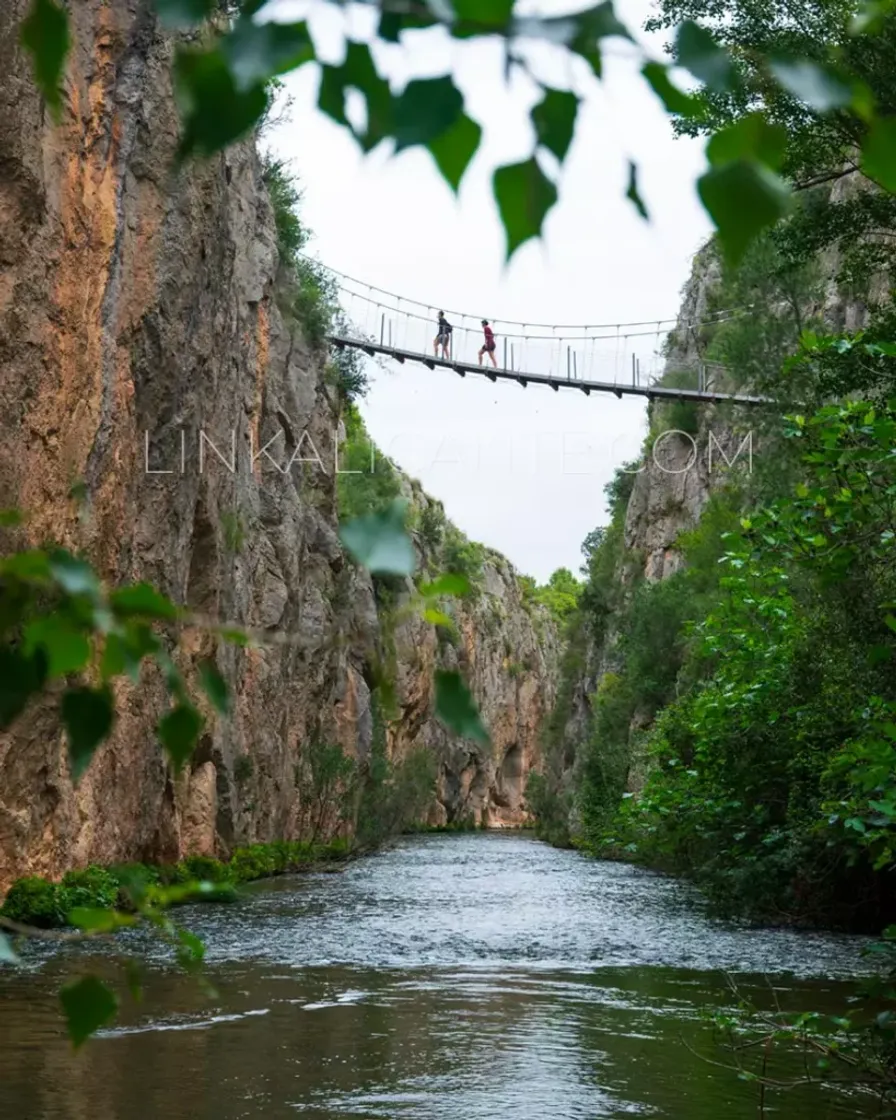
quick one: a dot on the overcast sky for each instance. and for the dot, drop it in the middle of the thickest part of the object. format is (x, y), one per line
(520, 470)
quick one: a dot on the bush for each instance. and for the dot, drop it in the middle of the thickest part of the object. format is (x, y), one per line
(367, 482)
(243, 769)
(313, 297)
(463, 557)
(207, 869)
(34, 902)
(95, 888)
(679, 416)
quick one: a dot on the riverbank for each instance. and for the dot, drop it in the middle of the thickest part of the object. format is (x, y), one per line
(45, 904)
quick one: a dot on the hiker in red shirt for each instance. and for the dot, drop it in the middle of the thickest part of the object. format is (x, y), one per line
(489, 346)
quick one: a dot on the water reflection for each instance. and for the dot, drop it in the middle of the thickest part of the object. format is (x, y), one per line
(455, 978)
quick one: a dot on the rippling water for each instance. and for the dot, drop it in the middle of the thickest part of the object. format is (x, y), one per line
(475, 977)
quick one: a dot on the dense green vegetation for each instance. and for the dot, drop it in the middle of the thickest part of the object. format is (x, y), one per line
(308, 293)
(46, 905)
(559, 596)
(367, 481)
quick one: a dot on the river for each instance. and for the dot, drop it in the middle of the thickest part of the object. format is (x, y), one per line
(469, 977)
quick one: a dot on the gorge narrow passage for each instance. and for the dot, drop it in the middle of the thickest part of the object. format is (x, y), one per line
(465, 977)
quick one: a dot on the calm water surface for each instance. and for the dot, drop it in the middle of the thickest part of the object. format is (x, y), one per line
(474, 977)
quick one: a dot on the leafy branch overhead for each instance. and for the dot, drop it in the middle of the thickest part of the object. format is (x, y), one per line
(223, 90)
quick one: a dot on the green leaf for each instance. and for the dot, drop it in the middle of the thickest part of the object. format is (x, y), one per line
(379, 541)
(10, 518)
(484, 13)
(215, 687)
(554, 118)
(674, 99)
(453, 151)
(258, 52)
(141, 600)
(134, 979)
(524, 196)
(890, 620)
(88, 1005)
(191, 952)
(237, 638)
(7, 953)
(88, 715)
(215, 111)
(456, 709)
(581, 33)
(879, 153)
(181, 14)
(819, 87)
(73, 575)
(66, 647)
(45, 36)
(633, 194)
(393, 23)
(20, 678)
(446, 585)
(743, 199)
(124, 653)
(697, 51)
(870, 16)
(426, 109)
(357, 72)
(179, 732)
(100, 921)
(29, 567)
(592, 26)
(438, 618)
(750, 138)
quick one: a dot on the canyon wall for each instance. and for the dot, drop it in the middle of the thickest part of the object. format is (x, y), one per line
(138, 309)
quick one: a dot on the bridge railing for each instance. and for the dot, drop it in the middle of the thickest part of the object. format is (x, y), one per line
(603, 354)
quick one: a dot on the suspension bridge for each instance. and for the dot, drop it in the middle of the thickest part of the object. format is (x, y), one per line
(622, 358)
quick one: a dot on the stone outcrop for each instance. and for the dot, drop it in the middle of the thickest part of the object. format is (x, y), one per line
(140, 325)
(509, 651)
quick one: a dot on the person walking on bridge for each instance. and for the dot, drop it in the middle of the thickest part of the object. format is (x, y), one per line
(489, 344)
(443, 338)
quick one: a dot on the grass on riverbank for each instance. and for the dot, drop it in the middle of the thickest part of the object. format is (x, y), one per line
(38, 902)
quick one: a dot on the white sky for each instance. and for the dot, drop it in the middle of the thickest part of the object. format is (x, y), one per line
(520, 470)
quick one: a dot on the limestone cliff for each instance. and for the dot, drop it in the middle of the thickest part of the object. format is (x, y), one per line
(508, 649)
(143, 352)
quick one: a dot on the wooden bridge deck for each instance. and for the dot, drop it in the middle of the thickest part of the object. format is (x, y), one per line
(652, 392)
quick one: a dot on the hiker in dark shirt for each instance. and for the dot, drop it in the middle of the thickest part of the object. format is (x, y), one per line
(443, 338)
(489, 345)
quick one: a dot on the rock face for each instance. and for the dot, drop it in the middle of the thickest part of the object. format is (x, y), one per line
(143, 352)
(509, 652)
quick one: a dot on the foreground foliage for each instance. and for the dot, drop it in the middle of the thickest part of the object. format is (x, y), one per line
(815, 88)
